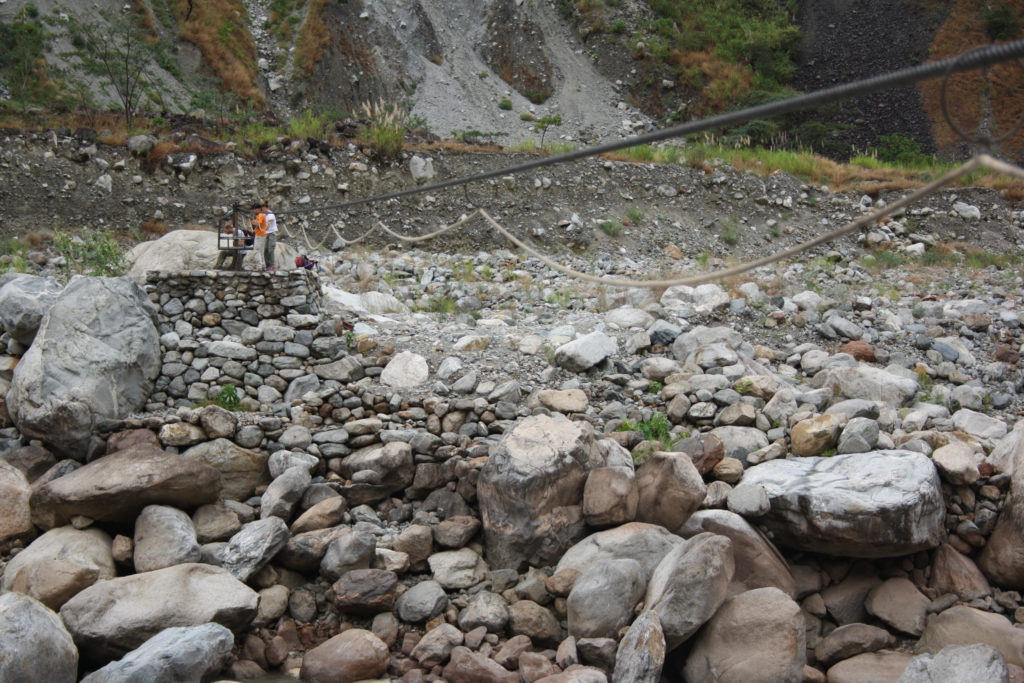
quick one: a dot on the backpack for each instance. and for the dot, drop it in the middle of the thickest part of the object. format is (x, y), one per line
(303, 262)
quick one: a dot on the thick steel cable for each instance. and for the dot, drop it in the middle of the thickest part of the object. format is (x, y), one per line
(974, 59)
(971, 165)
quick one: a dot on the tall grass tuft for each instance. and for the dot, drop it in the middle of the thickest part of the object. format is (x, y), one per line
(385, 132)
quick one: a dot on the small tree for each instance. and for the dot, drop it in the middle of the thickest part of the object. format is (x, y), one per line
(120, 53)
(542, 125)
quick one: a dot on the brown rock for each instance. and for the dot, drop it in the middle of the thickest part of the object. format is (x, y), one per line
(963, 625)
(533, 666)
(757, 636)
(899, 603)
(512, 650)
(610, 497)
(116, 487)
(955, 573)
(845, 600)
(884, 666)
(670, 489)
(327, 513)
(353, 655)
(416, 541)
(456, 532)
(979, 322)
(15, 511)
(1006, 354)
(365, 591)
(466, 666)
(849, 640)
(861, 350)
(131, 437)
(729, 470)
(33, 461)
(705, 452)
(815, 435)
(535, 621)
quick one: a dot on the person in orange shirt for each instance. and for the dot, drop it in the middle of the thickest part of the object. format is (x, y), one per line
(259, 229)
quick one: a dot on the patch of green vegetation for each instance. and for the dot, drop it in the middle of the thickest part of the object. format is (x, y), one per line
(635, 216)
(1002, 22)
(228, 398)
(730, 233)
(611, 228)
(527, 116)
(441, 304)
(545, 122)
(505, 103)
(656, 428)
(97, 253)
(883, 260)
(310, 125)
(13, 256)
(655, 387)
(703, 259)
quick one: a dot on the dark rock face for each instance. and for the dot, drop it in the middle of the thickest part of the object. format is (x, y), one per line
(846, 41)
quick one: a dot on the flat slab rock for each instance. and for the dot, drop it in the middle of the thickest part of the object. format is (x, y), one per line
(880, 504)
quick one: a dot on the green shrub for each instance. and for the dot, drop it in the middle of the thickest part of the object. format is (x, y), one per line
(97, 253)
(228, 398)
(656, 428)
(505, 104)
(897, 149)
(1001, 22)
(611, 228)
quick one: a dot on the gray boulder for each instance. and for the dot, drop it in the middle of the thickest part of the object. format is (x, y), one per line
(96, 356)
(381, 470)
(603, 597)
(23, 303)
(111, 618)
(174, 655)
(689, 585)
(641, 654)
(164, 536)
(956, 663)
(253, 546)
(531, 490)
(646, 543)
(759, 564)
(880, 504)
(34, 645)
(581, 354)
(15, 504)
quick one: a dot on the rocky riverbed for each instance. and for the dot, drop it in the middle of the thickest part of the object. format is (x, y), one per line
(469, 467)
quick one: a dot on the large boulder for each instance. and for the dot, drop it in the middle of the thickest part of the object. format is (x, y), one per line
(116, 487)
(383, 469)
(241, 469)
(34, 645)
(603, 598)
(866, 382)
(164, 537)
(646, 543)
(671, 489)
(755, 636)
(531, 490)
(963, 625)
(111, 618)
(759, 564)
(880, 504)
(184, 250)
(96, 356)
(185, 653)
(689, 585)
(59, 564)
(23, 303)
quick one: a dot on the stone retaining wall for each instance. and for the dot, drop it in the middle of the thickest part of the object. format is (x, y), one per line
(259, 331)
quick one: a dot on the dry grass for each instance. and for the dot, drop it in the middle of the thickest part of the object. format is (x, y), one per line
(154, 227)
(219, 29)
(965, 29)
(723, 84)
(313, 38)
